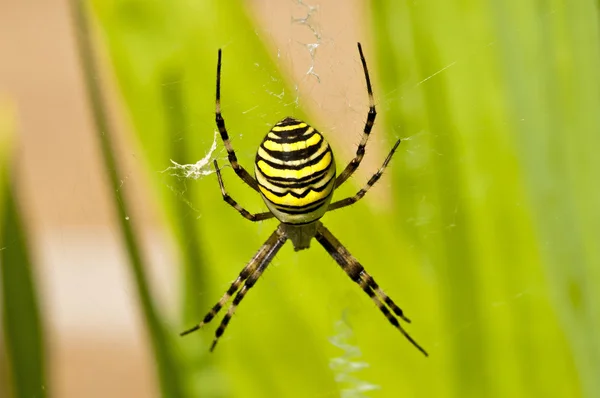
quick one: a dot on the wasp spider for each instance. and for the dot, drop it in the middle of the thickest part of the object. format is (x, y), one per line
(296, 176)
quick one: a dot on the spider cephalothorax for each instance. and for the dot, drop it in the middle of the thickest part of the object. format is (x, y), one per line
(296, 175)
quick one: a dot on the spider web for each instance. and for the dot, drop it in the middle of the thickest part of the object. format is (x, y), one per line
(201, 168)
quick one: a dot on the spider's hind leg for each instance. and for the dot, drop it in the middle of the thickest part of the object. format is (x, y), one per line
(236, 301)
(248, 277)
(235, 285)
(357, 273)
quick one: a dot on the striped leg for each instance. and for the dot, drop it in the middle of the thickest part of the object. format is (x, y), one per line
(238, 168)
(248, 277)
(357, 273)
(235, 285)
(234, 204)
(269, 250)
(360, 151)
(260, 259)
(348, 201)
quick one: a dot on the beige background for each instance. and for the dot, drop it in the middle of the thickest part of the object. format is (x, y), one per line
(96, 345)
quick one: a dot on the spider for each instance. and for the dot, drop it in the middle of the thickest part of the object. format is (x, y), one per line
(295, 174)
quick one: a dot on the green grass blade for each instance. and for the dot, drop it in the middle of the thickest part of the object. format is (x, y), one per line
(7, 127)
(22, 323)
(6, 133)
(556, 144)
(496, 189)
(166, 361)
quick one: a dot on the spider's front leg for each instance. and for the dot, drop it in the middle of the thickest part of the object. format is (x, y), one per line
(360, 151)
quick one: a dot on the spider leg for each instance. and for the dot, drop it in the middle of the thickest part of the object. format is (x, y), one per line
(258, 264)
(269, 250)
(245, 213)
(357, 273)
(238, 168)
(235, 285)
(360, 151)
(353, 199)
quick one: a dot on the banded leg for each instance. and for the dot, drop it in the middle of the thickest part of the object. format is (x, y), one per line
(270, 250)
(360, 151)
(245, 213)
(235, 285)
(351, 200)
(238, 168)
(260, 259)
(357, 273)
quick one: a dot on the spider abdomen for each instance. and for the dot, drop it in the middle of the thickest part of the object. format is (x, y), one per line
(295, 170)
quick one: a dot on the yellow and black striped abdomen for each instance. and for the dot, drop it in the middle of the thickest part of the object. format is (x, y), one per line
(295, 171)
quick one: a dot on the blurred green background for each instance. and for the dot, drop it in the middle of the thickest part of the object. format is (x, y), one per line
(485, 229)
